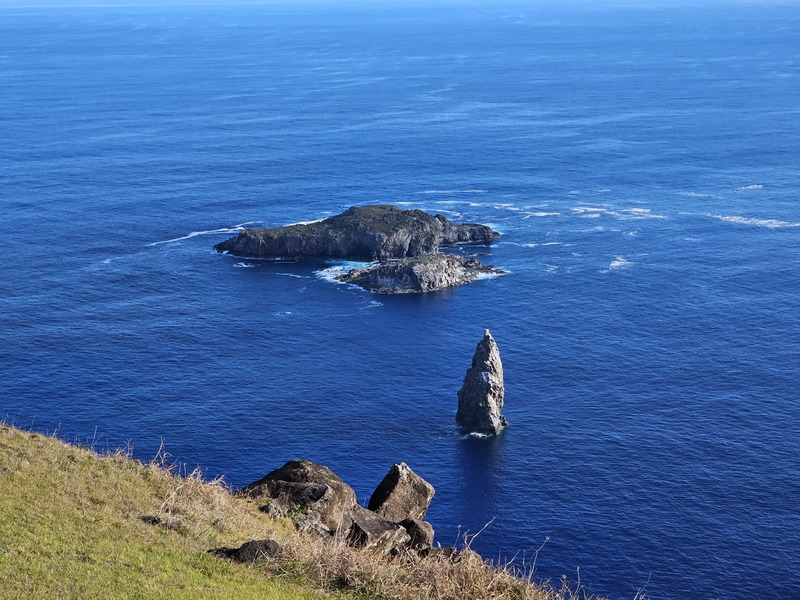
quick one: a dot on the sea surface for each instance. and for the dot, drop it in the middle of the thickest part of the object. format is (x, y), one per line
(642, 163)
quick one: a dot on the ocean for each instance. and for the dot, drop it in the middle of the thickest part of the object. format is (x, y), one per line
(641, 162)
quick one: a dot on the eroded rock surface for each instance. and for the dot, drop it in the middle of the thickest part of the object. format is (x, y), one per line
(311, 494)
(371, 530)
(419, 274)
(481, 396)
(402, 494)
(375, 232)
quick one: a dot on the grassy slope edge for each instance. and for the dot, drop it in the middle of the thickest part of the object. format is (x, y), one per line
(71, 526)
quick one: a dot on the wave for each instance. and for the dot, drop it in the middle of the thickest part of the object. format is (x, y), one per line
(528, 215)
(746, 188)
(242, 265)
(699, 195)
(623, 214)
(329, 274)
(234, 229)
(475, 191)
(768, 223)
(620, 262)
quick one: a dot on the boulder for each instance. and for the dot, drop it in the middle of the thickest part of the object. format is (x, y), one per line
(401, 495)
(370, 530)
(421, 533)
(481, 396)
(250, 552)
(374, 232)
(311, 494)
(420, 274)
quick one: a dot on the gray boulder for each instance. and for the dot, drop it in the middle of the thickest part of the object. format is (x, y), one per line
(419, 274)
(311, 494)
(374, 232)
(371, 530)
(402, 494)
(481, 396)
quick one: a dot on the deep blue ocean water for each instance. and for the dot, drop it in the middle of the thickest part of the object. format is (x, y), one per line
(642, 164)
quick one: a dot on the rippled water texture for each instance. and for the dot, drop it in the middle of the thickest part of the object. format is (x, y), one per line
(641, 164)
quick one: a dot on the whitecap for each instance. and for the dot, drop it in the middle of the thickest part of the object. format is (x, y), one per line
(550, 268)
(482, 276)
(768, 223)
(699, 195)
(528, 215)
(234, 229)
(471, 191)
(329, 274)
(746, 188)
(292, 275)
(304, 222)
(242, 265)
(620, 262)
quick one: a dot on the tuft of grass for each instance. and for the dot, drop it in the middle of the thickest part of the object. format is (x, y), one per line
(75, 524)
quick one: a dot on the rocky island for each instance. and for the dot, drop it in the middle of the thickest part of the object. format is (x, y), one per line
(376, 232)
(404, 243)
(419, 274)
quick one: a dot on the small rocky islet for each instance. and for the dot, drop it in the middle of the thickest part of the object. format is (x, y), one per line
(404, 244)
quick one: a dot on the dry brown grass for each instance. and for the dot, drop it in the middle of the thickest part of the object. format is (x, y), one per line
(76, 524)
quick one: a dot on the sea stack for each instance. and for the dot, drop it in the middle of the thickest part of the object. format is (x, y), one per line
(481, 397)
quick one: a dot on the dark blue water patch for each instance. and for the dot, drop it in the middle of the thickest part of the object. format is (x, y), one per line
(639, 163)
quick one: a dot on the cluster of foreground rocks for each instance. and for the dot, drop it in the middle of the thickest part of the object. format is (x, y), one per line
(404, 243)
(320, 502)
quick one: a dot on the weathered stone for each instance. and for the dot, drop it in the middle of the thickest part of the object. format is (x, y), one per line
(375, 232)
(421, 533)
(250, 552)
(311, 494)
(481, 396)
(401, 495)
(420, 274)
(370, 530)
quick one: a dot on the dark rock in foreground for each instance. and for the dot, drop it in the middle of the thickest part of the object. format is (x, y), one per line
(319, 502)
(310, 493)
(420, 274)
(250, 552)
(376, 232)
(481, 397)
(371, 530)
(401, 495)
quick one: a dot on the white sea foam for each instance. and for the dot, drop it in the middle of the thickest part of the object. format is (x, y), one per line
(699, 195)
(242, 265)
(234, 229)
(452, 192)
(620, 262)
(329, 274)
(528, 215)
(747, 188)
(550, 268)
(482, 276)
(623, 214)
(294, 275)
(768, 223)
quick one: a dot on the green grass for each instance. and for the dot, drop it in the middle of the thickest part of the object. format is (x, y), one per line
(71, 527)
(74, 524)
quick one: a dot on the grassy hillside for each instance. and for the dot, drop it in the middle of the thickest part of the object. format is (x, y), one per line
(74, 524)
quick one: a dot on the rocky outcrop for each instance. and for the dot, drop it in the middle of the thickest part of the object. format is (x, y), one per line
(371, 530)
(419, 274)
(481, 396)
(318, 501)
(311, 494)
(401, 495)
(375, 232)
(251, 552)
(421, 533)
